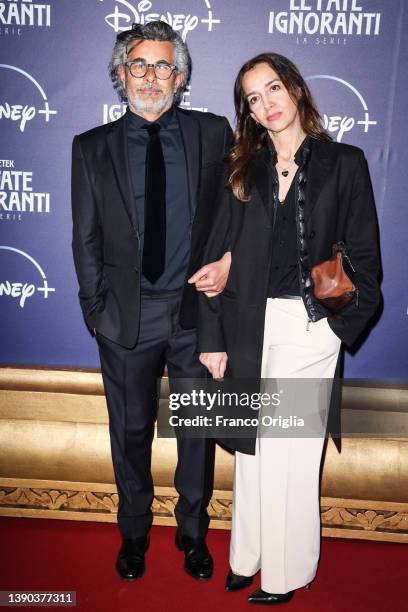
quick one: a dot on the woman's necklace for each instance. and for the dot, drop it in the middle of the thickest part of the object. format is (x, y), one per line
(285, 171)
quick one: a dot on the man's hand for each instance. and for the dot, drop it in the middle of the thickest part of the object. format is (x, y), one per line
(212, 278)
(216, 363)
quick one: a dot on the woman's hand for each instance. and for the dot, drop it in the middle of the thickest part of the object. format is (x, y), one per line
(212, 278)
(216, 363)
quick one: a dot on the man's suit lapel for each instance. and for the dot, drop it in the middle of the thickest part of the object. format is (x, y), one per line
(191, 135)
(117, 144)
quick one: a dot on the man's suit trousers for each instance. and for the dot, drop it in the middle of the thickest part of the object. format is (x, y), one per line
(130, 379)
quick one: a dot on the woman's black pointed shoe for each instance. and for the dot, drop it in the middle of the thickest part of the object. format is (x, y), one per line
(236, 583)
(269, 599)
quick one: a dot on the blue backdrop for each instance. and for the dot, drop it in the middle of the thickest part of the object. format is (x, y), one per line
(54, 84)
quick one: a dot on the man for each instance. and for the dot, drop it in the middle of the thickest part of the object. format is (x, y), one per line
(144, 193)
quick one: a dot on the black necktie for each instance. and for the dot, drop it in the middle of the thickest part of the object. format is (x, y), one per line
(154, 247)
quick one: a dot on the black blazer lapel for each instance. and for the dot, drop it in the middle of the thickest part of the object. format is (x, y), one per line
(319, 167)
(260, 178)
(191, 135)
(117, 144)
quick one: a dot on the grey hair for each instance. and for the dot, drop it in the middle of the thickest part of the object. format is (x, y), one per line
(154, 30)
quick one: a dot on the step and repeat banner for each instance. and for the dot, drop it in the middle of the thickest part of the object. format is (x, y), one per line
(54, 84)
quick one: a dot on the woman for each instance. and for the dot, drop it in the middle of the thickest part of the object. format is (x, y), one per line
(293, 194)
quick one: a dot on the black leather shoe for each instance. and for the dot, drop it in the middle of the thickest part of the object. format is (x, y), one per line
(269, 599)
(130, 563)
(236, 583)
(198, 562)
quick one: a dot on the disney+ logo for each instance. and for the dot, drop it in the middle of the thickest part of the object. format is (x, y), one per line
(125, 13)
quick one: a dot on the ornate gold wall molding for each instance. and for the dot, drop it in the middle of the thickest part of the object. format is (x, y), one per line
(79, 501)
(363, 519)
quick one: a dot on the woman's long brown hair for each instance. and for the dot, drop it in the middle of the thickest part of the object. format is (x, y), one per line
(249, 136)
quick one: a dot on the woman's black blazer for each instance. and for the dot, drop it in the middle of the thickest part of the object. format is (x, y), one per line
(339, 207)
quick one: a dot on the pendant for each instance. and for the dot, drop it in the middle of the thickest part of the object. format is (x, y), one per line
(285, 173)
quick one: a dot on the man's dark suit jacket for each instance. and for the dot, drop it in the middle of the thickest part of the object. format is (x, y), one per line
(105, 232)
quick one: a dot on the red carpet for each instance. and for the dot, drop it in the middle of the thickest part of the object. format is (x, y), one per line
(39, 554)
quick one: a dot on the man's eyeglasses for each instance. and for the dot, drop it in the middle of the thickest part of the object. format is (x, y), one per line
(138, 68)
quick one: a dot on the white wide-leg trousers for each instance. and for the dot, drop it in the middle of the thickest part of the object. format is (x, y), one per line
(276, 510)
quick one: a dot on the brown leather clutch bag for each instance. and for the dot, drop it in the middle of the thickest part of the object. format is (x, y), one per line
(333, 287)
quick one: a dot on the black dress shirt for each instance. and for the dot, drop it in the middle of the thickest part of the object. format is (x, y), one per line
(177, 197)
(284, 276)
(284, 270)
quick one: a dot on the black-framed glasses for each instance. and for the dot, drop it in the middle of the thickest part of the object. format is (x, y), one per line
(139, 67)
